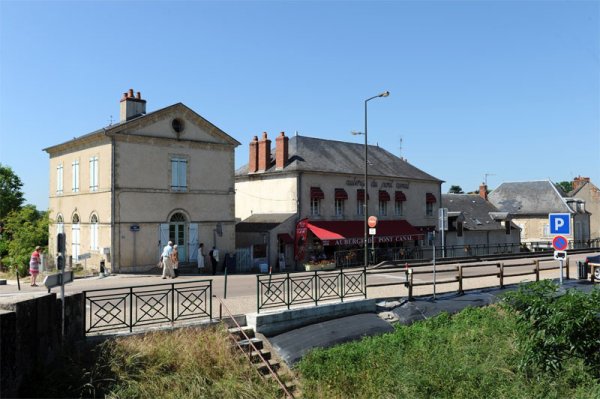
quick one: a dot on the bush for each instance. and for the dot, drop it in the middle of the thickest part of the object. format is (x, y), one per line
(554, 326)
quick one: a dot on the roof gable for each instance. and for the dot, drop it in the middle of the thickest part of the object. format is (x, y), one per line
(529, 198)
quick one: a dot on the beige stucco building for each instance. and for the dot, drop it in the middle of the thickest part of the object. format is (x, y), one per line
(321, 183)
(121, 192)
(584, 189)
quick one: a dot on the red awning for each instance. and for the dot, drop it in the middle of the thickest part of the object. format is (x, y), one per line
(316, 193)
(384, 195)
(430, 198)
(340, 194)
(360, 194)
(399, 196)
(351, 232)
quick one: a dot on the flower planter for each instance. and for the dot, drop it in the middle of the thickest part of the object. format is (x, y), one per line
(320, 266)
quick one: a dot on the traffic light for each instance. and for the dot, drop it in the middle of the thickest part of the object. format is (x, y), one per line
(60, 243)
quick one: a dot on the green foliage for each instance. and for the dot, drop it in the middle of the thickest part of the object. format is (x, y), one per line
(455, 190)
(24, 229)
(469, 355)
(11, 196)
(555, 326)
(565, 186)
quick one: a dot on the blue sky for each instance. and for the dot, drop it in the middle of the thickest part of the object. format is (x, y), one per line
(505, 88)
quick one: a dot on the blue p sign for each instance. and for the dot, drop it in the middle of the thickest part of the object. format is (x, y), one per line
(559, 223)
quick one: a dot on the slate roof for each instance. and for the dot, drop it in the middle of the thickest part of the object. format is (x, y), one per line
(262, 222)
(331, 156)
(529, 198)
(479, 214)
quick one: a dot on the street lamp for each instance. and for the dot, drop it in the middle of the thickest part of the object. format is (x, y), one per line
(366, 206)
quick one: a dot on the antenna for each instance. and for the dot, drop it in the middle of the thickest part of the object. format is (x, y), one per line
(110, 121)
(400, 147)
(486, 175)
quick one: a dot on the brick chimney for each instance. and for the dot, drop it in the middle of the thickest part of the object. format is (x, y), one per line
(281, 151)
(580, 181)
(132, 106)
(483, 193)
(253, 165)
(264, 153)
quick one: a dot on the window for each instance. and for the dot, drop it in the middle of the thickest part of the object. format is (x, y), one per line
(429, 209)
(59, 179)
(398, 208)
(315, 206)
(360, 207)
(94, 233)
(546, 230)
(75, 176)
(507, 227)
(75, 237)
(178, 174)
(382, 208)
(60, 224)
(459, 229)
(94, 174)
(339, 207)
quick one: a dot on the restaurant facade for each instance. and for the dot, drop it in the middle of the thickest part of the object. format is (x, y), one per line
(321, 182)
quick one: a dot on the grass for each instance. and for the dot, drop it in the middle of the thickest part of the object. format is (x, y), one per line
(185, 363)
(470, 355)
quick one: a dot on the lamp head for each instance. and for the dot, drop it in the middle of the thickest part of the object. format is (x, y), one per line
(356, 133)
(384, 94)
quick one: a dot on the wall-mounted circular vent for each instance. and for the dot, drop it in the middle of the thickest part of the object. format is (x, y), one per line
(177, 125)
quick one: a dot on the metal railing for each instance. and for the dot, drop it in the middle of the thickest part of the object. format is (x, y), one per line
(285, 289)
(118, 309)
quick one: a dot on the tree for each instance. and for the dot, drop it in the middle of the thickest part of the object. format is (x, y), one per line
(455, 190)
(24, 229)
(566, 186)
(11, 196)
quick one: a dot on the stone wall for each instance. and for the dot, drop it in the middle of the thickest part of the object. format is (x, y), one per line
(31, 336)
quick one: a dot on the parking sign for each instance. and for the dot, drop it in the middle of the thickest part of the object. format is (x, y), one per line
(559, 223)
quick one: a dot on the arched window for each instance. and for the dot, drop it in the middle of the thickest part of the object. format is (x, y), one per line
(75, 237)
(94, 232)
(60, 224)
(178, 217)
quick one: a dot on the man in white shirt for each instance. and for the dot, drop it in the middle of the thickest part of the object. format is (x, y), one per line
(166, 260)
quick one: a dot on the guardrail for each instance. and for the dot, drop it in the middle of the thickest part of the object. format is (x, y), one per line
(501, 271)
(119, 309)
(278, 290)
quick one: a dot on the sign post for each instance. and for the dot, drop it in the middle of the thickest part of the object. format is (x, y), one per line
(372, 221)
(560, 244)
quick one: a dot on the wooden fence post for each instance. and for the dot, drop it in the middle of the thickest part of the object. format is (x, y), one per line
(568, 268)
(460, 280)
(410, 284)
(501, 274)
(537, 270)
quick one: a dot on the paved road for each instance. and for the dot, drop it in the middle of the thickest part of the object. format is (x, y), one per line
(241, 288)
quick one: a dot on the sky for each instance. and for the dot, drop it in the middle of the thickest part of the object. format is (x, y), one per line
(494, 91)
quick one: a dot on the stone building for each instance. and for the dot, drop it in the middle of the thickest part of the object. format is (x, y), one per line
(121, 192)
(584, 189)
(317, 189)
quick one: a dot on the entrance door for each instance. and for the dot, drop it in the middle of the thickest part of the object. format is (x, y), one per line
(177, 234)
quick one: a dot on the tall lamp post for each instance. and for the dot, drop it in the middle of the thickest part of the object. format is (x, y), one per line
(366, 198)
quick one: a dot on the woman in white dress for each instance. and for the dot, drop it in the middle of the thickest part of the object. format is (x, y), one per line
(201, 256)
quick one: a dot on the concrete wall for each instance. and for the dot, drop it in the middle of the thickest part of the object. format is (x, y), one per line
(30, 336)
(265, 194)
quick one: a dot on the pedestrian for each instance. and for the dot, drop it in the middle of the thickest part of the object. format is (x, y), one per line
(201, 256)
(166, 259)
(214, 259)
(175, 260)
(34, 265)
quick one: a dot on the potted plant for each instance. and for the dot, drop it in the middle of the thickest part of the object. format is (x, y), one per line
(323, 264)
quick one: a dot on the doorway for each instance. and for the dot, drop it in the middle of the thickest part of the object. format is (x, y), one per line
(177, 234)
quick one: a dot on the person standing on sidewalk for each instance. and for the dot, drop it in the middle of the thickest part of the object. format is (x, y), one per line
(166, 259)
(214, 259)
(175, 260)
(201, 256)
(34, 265)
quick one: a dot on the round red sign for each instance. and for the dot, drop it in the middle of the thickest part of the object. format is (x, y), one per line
(372, 221)
(560, 243)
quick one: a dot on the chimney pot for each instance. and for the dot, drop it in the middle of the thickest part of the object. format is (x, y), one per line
(139, 95)
(132, 106)
(130, 93)
(264, 153)
(483, 193)
(281, 151)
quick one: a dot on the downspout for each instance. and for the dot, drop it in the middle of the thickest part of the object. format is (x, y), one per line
(298, 210)
(114, 263)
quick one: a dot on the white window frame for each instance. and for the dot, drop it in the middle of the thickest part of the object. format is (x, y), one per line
(399, 208)
(383, 208)
(546, 230)
(60, 224)
(94, 174)
(360, 207)
(94, 232)
(59, 178)
(315, 207)
(339, 207)
(429, 208)
(179, 167)
(75, 176)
